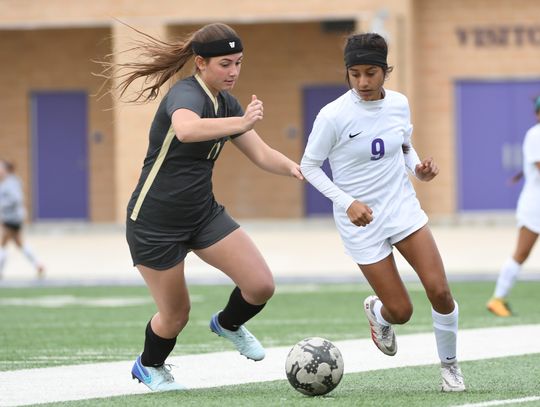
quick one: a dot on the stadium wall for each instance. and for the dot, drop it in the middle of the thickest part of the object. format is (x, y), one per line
(432, 44)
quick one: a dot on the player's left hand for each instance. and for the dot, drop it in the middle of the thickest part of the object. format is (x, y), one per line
(296, 173)
(426, 170)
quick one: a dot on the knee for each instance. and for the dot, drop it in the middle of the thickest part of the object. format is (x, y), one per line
(265, 291)
(178, 320)
(261, 293)
(400, 314)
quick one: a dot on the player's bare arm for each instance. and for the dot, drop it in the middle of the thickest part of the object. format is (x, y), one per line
(265, 157)
(190, 128)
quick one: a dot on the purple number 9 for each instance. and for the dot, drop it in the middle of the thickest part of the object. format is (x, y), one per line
(377, 149)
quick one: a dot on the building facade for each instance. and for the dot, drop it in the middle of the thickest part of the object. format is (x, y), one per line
(469, 68)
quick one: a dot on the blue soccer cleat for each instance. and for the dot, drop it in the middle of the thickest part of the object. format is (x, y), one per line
(156, 378)
(242, 339)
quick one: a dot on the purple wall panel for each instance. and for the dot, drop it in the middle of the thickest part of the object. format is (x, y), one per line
(314, 98)
(60, 155)
(492, 118)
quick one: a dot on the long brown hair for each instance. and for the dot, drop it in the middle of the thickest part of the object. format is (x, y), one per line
(160, 60)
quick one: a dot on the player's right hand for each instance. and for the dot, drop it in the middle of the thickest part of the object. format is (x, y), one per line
(254, 112)
(360, 214)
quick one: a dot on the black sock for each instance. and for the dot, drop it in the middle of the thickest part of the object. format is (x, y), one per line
(156, 348)
(238, 311)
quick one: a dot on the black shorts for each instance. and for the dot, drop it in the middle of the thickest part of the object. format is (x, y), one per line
(161, 249)
(15, 227)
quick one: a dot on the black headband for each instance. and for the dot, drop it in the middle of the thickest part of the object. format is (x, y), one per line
(362, 56)
(228, 46)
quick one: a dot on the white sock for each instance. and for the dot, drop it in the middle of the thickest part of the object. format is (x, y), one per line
(29, 254)
(3, 257)
(445, 327)
(378, 316)
(507, 278)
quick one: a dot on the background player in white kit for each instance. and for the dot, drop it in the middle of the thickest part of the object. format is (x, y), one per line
(366, 135)
(12, 214)
(528, 217)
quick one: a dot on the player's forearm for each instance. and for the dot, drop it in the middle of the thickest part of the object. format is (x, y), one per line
(411, 159)
(209, 129)
(275, 162)
(311, 169)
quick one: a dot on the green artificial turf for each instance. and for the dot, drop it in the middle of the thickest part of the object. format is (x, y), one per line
(39, 336)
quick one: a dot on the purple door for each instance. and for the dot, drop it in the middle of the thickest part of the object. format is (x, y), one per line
(60, 155)
(315, 98)
(492, 118)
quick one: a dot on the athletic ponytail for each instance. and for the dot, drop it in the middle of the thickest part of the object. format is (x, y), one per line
(161, 60)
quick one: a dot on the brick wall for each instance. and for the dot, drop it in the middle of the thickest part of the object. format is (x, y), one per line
(280, 59)
(49, 60)
(440, 59)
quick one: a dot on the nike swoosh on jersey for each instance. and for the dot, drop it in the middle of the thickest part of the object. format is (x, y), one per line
(354, 135)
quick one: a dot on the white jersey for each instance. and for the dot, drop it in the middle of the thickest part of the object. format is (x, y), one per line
(363, 143)
(11, 200)
(528, 208)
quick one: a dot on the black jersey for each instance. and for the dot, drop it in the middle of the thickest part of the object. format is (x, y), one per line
(175, 187)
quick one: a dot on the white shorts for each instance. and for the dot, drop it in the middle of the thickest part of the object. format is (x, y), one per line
(528, 210)
(382, 248)
(529, 222)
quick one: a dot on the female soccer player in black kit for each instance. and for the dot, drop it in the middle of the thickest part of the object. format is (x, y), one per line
(173, 209)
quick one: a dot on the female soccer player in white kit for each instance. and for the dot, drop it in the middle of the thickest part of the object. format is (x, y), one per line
(528, 219)
(366, 135)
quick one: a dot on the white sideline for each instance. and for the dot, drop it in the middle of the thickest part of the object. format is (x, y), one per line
(501, 402)
(77, 382)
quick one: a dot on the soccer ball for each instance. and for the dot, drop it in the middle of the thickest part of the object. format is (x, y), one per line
(314, 366)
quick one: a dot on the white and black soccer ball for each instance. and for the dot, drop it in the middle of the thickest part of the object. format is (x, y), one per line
(314, 366)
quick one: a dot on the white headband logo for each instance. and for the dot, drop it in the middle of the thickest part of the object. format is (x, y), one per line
(231, 44)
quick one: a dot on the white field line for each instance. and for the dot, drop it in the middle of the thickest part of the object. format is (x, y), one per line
(501, 402)
(60, 301)
(77, 382)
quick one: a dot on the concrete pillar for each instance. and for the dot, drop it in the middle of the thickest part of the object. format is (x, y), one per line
(131, 121)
